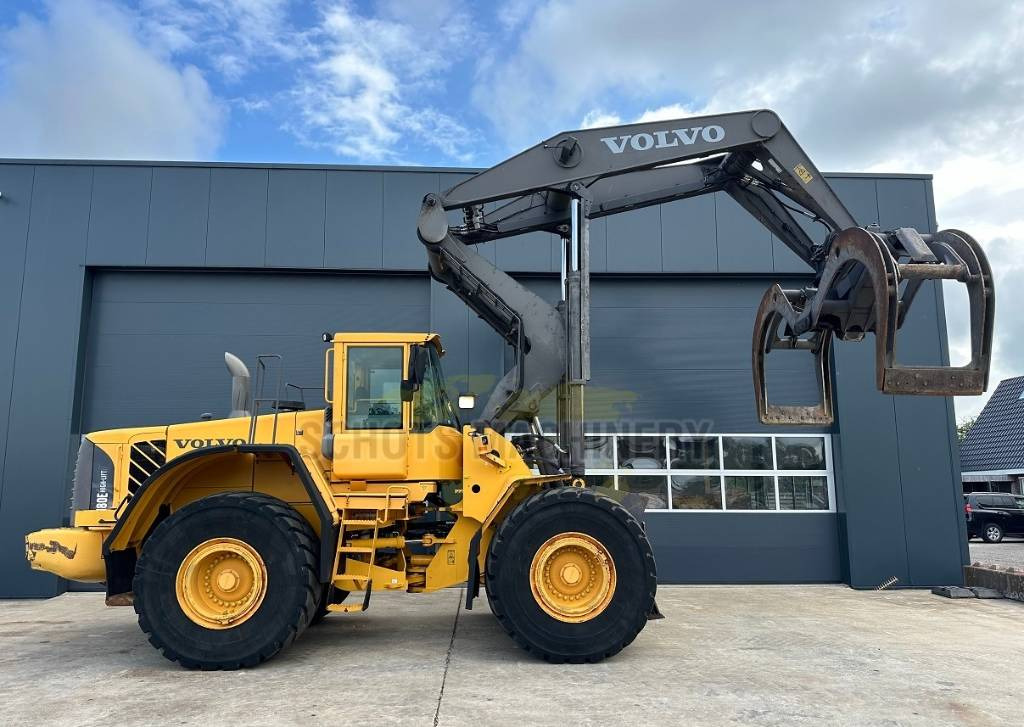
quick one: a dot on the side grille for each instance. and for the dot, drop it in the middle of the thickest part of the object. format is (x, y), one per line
(146, 458)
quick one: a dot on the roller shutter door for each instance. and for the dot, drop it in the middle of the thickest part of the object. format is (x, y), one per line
(155, 341)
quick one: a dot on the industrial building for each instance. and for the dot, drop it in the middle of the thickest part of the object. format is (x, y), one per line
(123, 283)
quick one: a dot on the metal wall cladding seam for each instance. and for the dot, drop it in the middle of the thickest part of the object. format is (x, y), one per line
(45, 365)
(15, 205)
(237, 232)
(119, 215)
(179, 212)
(404, 192)
(296, 214)
(354, 223)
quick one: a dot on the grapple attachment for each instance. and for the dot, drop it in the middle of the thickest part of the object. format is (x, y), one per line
(866, 284)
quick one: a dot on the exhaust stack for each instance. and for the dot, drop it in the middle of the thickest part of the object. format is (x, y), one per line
(240, 386)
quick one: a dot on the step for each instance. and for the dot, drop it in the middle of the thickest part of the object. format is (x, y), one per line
(354, 549)
(369, 523)
(345, 607)
(351, 577)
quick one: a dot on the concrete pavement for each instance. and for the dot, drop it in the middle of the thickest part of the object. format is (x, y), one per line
(767, 655)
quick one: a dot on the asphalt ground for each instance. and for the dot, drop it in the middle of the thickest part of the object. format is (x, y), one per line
(1009, 553)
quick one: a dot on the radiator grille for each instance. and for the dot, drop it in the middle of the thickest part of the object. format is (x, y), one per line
(146, 458)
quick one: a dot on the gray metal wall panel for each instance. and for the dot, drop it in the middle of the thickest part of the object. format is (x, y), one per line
(859, 196)
(529, 253)
(762, 548)
(689, 236)
(675, 354)
(744, 244)
(449, 318)
(404, 193)
(237, 234)
(787, 261)
(355, 218)
(198, 316)
(927, 537)
(634, 241)
(178, 216)
(903, 203)
(598, 247)
(120, 216)
(44, 371)
(932, 501)
(15, 205)
(868, 459)
(295, 218)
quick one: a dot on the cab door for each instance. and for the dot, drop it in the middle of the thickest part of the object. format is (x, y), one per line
(371, 435)
(435, 437)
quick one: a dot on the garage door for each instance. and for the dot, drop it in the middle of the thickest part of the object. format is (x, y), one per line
(156, 340)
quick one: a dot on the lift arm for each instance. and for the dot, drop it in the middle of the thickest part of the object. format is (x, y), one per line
(864, 279)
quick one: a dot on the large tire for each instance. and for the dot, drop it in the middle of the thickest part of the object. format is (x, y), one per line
(266, 526)
(524, 536)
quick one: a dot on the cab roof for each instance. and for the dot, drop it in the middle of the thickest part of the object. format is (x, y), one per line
(349, 337)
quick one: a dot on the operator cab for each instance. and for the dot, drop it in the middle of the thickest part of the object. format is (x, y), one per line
(389, 415)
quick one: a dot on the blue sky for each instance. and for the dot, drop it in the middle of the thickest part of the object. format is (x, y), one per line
(879, 85)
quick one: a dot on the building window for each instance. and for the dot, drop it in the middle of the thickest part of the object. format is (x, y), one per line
(744, 492)
(752, 473)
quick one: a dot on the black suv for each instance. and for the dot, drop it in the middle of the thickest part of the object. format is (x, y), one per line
(991, 515)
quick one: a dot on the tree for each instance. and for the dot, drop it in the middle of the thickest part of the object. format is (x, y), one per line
(964, 426)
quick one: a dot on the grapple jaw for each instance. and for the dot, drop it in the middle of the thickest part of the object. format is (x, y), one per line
(866, 284)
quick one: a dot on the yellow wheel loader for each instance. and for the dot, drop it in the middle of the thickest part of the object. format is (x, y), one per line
(231, 536)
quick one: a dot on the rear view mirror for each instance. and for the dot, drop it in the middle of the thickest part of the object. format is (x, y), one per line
(467, 401)
(414, 376)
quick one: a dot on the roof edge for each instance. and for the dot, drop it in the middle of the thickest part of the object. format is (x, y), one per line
(348, 167)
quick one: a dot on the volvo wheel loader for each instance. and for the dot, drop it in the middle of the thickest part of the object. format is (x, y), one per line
(231, 536)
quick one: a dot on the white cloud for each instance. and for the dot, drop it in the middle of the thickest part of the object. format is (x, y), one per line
(873, 86)
(358, 97)
(80, 84)
(235, 35)
(596, 118)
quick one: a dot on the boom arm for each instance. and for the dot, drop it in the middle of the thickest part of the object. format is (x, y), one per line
(864, 279)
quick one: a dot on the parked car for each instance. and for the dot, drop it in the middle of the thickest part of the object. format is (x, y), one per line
(993, 515)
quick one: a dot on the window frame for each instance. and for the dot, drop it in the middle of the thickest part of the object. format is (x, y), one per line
(343, 399)
(721, 472)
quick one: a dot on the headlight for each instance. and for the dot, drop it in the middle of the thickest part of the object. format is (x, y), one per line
(94, 478)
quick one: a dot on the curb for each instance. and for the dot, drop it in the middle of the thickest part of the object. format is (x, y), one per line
(1007, 581)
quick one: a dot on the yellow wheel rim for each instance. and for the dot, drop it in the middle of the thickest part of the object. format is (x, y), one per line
(572, 577)
(221, 583)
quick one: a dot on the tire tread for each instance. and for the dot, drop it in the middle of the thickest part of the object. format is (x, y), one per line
(553, 497)
(287, 520)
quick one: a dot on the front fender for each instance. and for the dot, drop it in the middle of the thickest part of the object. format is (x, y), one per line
(143, 510)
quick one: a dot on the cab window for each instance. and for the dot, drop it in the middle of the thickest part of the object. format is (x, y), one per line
(431, 406)
(373, 388)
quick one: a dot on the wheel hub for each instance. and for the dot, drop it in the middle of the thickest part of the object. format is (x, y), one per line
(572, 577)
(221, 583)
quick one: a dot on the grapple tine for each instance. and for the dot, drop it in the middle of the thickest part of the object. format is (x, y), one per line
(867, 283)
(777, 309)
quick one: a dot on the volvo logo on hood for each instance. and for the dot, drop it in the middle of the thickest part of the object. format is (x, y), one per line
(200, 443)
(664, 138)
